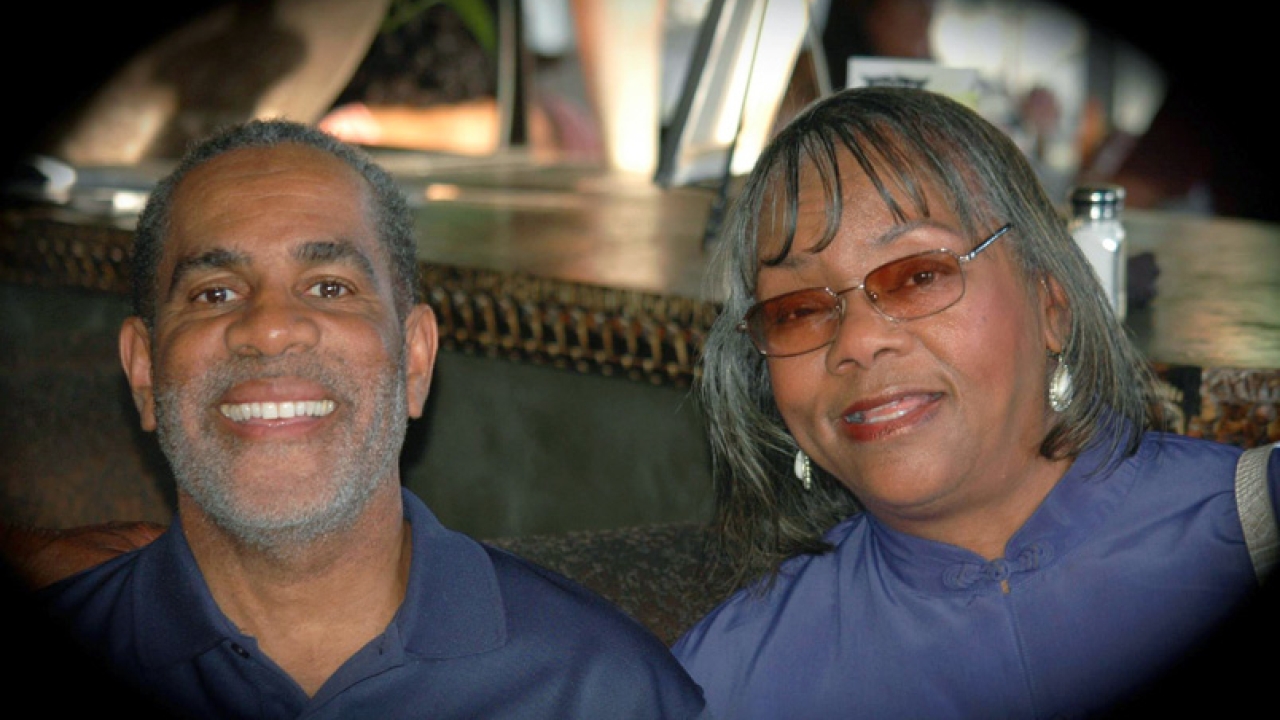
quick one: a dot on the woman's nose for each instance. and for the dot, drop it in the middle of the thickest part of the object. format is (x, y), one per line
(863, 333)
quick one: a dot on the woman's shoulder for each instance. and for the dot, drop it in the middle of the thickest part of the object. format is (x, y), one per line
(1184, 456)
(1172, 470)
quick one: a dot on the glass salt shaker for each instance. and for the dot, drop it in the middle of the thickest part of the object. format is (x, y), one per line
(1096, 226)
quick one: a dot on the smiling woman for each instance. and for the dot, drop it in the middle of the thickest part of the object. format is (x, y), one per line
(949, 493)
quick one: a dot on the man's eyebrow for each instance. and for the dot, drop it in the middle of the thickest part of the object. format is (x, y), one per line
(345, 252)
(317, 252)
(213, 259)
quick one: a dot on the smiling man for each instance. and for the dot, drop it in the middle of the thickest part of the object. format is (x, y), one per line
(279, 350)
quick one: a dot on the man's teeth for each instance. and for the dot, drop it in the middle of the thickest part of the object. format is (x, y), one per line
(240, 412)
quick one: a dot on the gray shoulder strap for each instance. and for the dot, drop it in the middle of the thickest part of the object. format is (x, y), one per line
(1253, 500)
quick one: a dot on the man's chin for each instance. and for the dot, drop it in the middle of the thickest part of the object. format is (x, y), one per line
(280, 515)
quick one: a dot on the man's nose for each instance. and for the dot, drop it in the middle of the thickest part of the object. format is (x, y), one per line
(273, 323)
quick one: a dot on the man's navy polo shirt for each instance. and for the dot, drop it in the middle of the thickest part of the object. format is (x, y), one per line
(481, 634)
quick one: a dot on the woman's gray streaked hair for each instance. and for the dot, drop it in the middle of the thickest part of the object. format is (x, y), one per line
(393, 221)
(907, 141)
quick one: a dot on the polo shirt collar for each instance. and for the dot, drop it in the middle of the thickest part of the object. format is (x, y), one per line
(453, 605)
(176, 616)
(1092, 489)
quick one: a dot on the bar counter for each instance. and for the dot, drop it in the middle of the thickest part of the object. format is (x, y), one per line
(582, 269)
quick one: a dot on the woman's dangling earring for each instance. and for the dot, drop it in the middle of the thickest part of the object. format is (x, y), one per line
(1061, 391)
(804, 470)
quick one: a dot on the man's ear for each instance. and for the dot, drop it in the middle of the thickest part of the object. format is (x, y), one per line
(135, 357)
(422, 339)
(1056, 312)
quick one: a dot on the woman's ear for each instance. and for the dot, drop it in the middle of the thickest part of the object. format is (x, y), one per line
(1055, 312)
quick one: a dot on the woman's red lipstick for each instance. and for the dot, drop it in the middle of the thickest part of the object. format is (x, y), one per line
(875, 418)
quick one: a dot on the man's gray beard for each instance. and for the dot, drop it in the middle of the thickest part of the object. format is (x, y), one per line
(203, 469)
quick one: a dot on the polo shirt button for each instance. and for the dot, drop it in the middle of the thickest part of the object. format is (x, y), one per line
(237, 649)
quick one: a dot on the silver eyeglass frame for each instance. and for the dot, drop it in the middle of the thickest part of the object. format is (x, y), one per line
(743, 325)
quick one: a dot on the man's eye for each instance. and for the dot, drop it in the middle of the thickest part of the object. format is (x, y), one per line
(215, 295)
(329, 289)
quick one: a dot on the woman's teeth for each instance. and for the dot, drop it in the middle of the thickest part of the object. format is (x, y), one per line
(887, 412)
